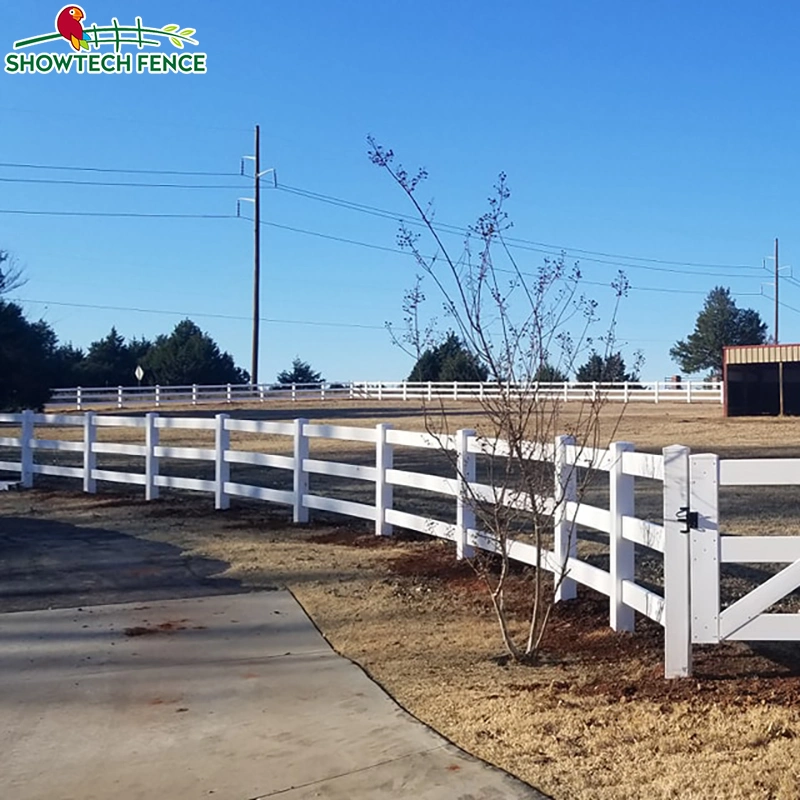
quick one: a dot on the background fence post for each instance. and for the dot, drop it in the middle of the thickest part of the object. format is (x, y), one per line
(89, 455)
(300, 513)
(384, 491)
(677, 622)
(688, 391)
(194, 394)
(465, 510)
(405, 391)
(565, 540)
(79, 399)
(26, 449)
(158, 395)
(222, 442)
(655, 392)
(294, 391)
(261, 392)
(430, 391)
(621, 503)
(704, 547)
(151, 460)
(626, 392)
(120, 391)
(228, 393)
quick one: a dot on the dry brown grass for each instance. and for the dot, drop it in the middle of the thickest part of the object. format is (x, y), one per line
(595, 720)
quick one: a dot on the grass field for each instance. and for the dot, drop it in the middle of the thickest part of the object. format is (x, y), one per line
(595, 719)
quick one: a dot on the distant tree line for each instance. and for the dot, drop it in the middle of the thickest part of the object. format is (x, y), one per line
(32, 361)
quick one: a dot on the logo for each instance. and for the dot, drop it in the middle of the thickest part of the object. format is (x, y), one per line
(101, 50)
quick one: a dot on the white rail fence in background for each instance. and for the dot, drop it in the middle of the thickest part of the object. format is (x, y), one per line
(689, 538)
(130, 396)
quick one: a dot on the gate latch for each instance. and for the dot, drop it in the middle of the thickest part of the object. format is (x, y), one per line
(690, 519)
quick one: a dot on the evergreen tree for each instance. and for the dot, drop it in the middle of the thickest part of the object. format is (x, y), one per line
(449, 361)
(719, 323)
(301, 372)
(188, 356)
(26, 359)
(604, 369)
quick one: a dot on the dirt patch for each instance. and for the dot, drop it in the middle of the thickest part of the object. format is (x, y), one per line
(153, 630)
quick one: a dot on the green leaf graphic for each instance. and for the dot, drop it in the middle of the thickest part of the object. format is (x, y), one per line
(170, 28)
(187, 31)
(177, 42)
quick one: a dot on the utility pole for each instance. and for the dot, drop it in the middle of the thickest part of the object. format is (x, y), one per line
(257, 259)
(256, 200)
(776, 290)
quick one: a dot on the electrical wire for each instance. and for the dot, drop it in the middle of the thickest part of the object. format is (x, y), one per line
(593, 256)
(120, 184)
(133, 214)
(210, 315)
(115, 170)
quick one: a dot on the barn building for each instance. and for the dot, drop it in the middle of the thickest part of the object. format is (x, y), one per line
(762, 380)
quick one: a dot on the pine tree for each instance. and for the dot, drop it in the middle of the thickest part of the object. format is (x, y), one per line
(719, 324)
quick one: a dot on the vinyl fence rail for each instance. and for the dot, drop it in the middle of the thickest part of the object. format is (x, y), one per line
(81, 397)
(689, 539)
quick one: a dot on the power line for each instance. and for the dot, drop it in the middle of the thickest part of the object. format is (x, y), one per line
(365, 208)
(593, 256)
(210, 315)
(133, 214)
(116, 170)
(121, 184)
(383, 248)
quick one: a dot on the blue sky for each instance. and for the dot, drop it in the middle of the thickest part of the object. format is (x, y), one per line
(665, 133)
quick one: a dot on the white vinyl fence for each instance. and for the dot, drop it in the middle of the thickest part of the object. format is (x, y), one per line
(157, 396)
(688, 540)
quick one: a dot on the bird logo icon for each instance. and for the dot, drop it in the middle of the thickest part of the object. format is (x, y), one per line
(68, 24)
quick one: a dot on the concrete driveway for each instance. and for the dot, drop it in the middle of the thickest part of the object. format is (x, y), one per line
(133, 673)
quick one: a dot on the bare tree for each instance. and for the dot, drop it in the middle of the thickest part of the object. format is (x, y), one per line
(519, 324)
(11, 275)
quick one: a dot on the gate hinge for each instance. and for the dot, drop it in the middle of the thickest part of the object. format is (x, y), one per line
(691, 519)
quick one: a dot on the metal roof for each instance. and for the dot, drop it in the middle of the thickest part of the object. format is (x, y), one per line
(761, 353)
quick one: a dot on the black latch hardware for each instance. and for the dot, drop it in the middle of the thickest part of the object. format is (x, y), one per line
(691, 519)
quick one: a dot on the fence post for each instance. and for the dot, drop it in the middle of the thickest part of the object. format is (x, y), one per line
(677, 621)
(655, 392)
(194, 394)
(79, 398)
(119, 397)
(261, 392)
(566, 391)
(594, 391)
(688, 391)
(352, 390)
(222, 468)
(564, 533)
(294, 392)
(384, 491)
(480, 391)
(89, 455)
(151, 434)
(465, 510)
(704, 547)
(430, 391)
(626, 392)
(158, 395)
(721, 387)
(455, 390)
(405, 391)
(228, 393)
(26, 449)
(300, 483)
(621, 504)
